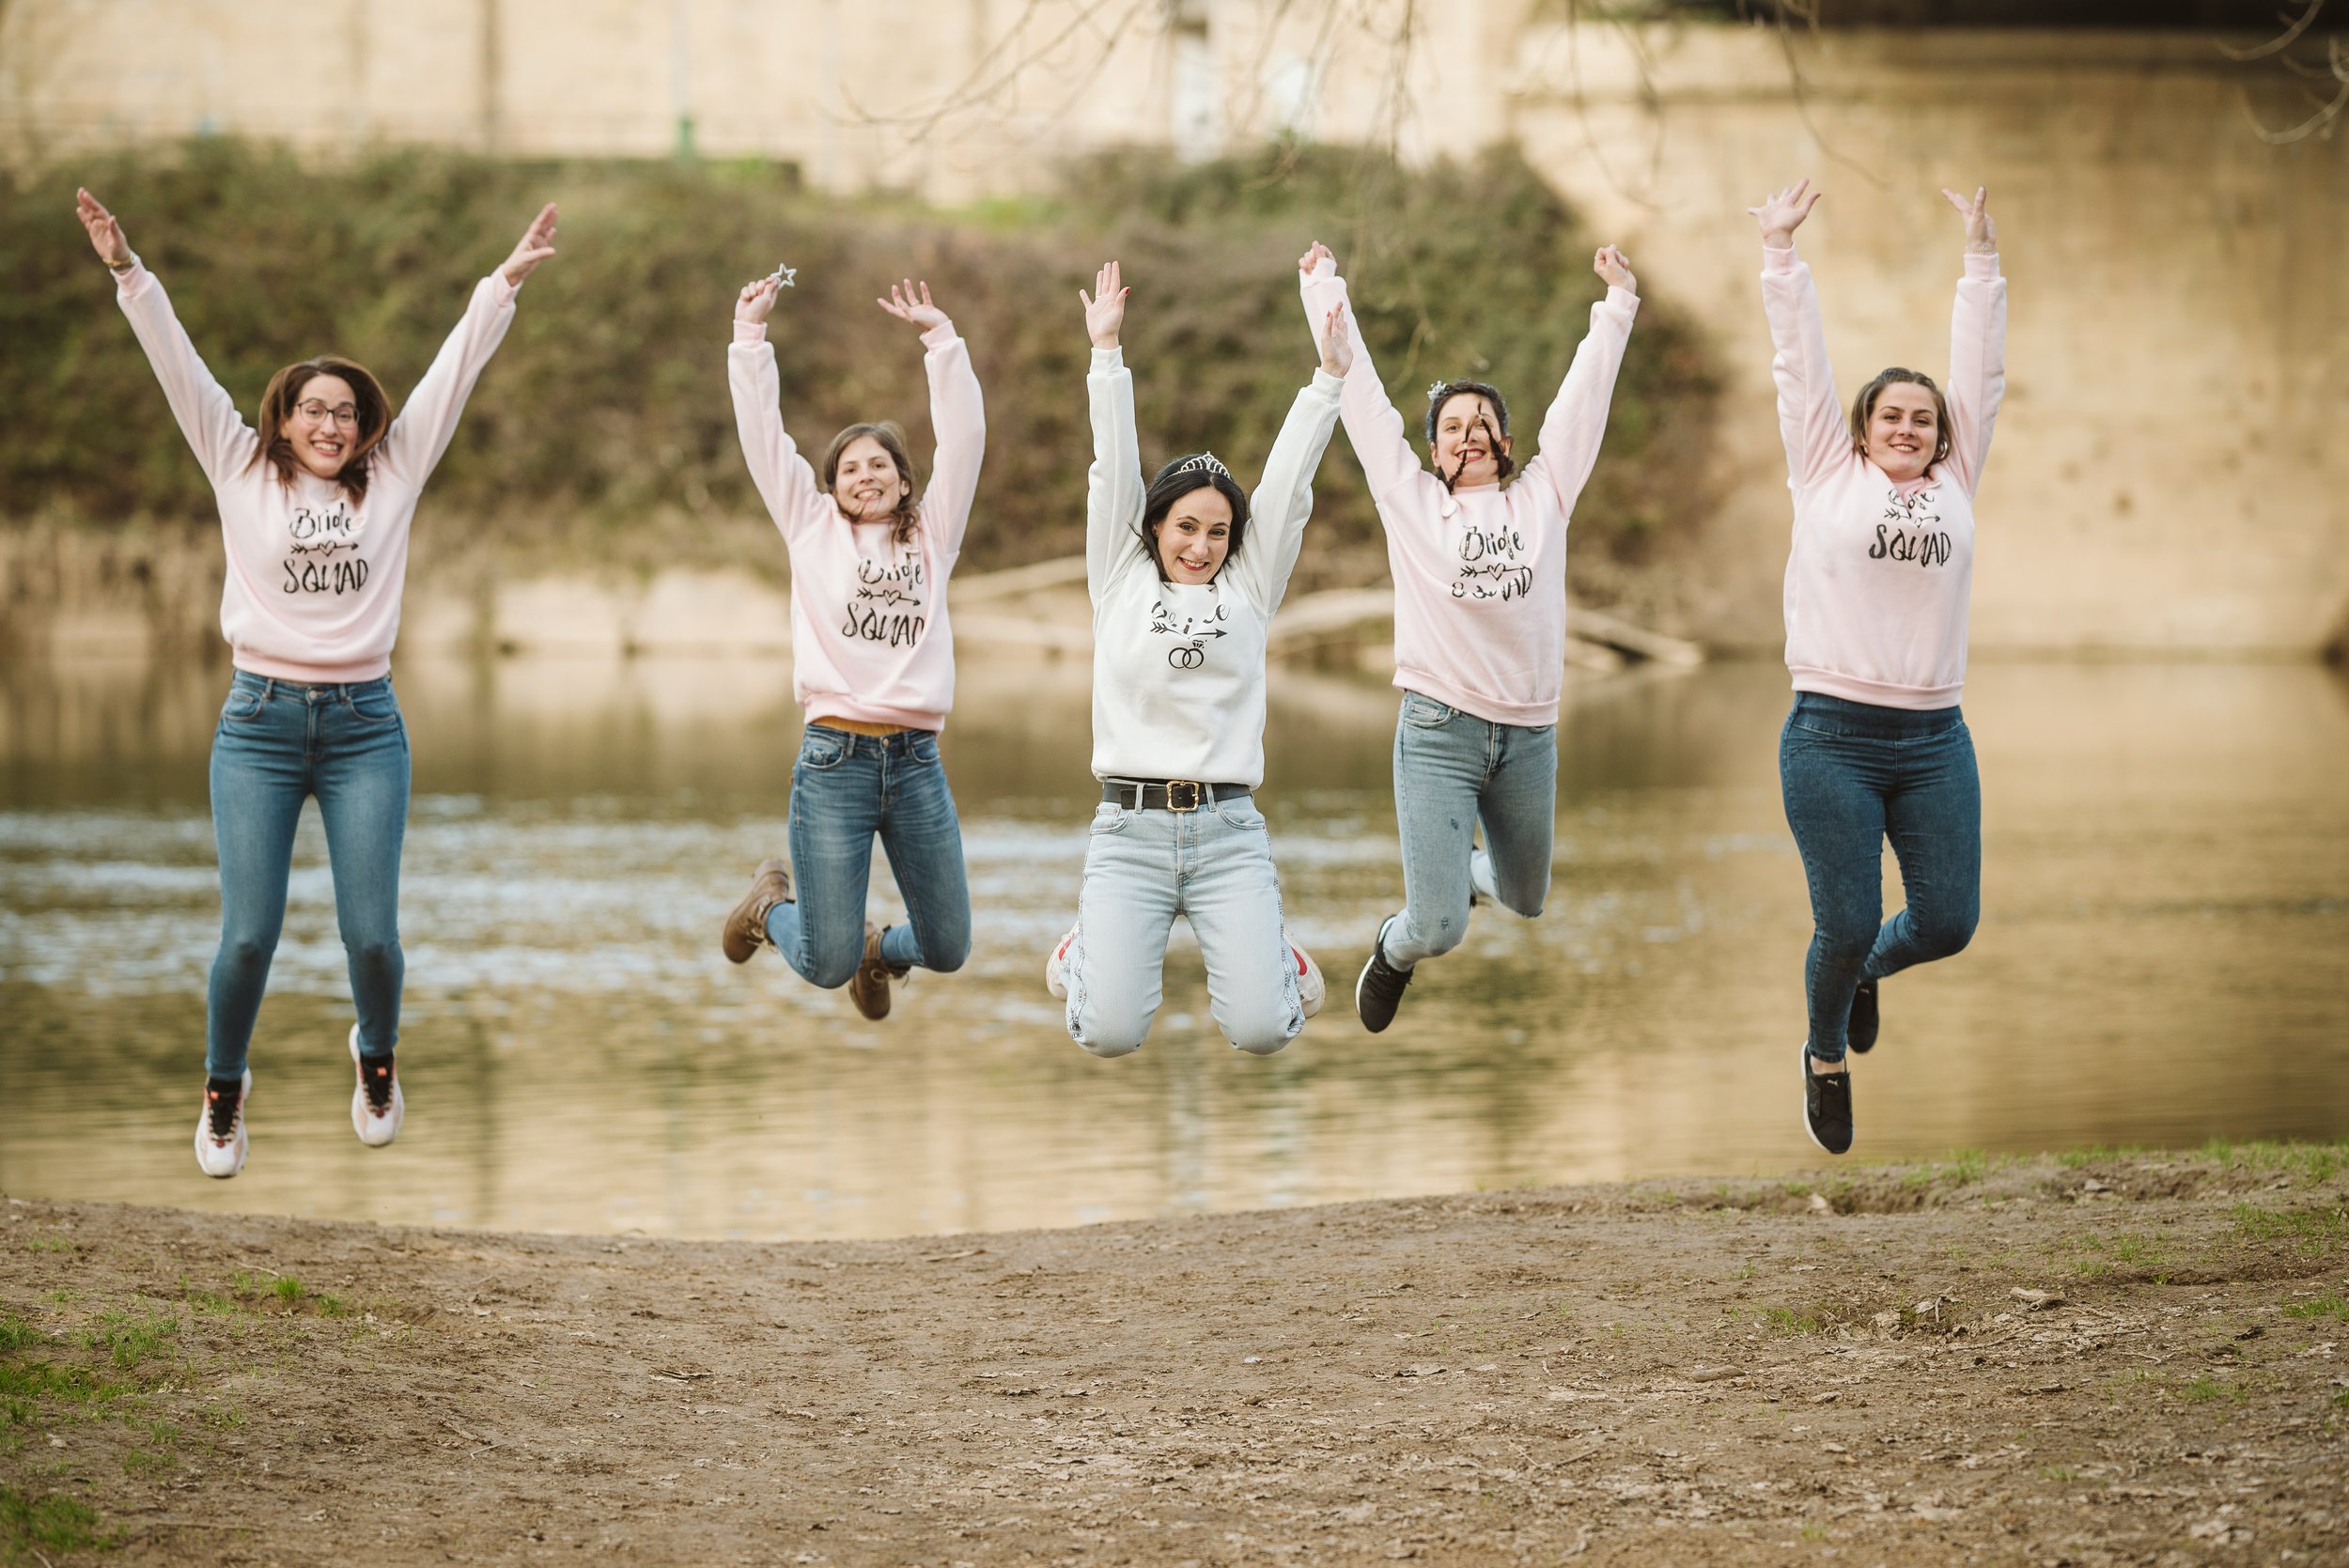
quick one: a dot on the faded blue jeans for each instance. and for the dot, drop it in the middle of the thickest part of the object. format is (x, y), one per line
(280, 742)
(1855, 774)
(1453, 770)
(845, 789)
(1144, 867)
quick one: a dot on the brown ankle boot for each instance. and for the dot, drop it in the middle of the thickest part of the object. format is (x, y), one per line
(746, 926)
(870, 987)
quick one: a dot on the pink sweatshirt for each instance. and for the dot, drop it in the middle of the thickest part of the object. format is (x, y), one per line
(314, 582)
(1479, 572)
(1877, 582)
(869, 636)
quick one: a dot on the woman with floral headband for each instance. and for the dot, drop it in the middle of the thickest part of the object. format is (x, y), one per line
(1480, 626)
(1185, 575)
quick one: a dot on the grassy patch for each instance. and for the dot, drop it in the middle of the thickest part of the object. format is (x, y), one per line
(2314, 1233)
(2073, 1160)
(128, 1337)
(48, 1244)
(140, 1462)
(2313, 1163)
(51, 1523)
(15, 1333)
(2330, 1304)
(68, 1384)
(1787, 1320)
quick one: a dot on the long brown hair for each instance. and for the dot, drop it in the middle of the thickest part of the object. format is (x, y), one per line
(277, 405)
(1863, 409)
(908, 515)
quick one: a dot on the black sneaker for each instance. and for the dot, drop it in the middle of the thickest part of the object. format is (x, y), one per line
(1826, 1106)
(1862, 1029)
(1379, 991)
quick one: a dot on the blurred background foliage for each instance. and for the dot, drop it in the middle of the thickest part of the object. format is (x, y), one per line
(603, 428)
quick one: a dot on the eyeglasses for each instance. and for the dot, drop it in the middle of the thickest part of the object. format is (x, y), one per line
(341, 414)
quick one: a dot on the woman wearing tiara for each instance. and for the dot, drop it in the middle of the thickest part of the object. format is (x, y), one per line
(1185, 575)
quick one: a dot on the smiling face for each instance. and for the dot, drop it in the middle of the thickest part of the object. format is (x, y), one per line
(1904, 430)
(322, 427)
(1468, 444)
(868, 484)
(1195, 536)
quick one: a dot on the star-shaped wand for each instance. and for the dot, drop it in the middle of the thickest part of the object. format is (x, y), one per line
(782, 274)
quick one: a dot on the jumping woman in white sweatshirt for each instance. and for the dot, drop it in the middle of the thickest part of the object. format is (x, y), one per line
(1185, 575)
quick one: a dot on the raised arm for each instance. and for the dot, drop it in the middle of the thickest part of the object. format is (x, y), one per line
(1283, 500)
(428, 422)
(1372, 423)
(1577, 420)
(958, 413)
(224, 446)
(785, 481)
(1977, 342)
(1113, 489)
(1809, 421)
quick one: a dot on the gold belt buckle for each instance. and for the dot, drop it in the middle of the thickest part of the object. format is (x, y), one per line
(1173, 784)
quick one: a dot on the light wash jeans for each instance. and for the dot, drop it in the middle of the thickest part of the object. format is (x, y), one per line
(845, 789)
(1854, 775)
(1451, 771)
(1143, 868)
(280, 742)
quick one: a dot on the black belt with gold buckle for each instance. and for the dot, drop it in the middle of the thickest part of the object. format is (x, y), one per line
(1174, 795)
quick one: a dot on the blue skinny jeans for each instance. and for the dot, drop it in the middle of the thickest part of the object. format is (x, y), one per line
(1854, 775)
(846, 790)
(280, 742)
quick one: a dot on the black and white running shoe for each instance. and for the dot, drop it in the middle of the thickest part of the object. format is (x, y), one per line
(1379, 991)
(1826, 1106)
(1862, 1029)
(220, 1140)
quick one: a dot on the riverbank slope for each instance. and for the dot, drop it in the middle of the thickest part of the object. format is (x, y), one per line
(2087, 1359)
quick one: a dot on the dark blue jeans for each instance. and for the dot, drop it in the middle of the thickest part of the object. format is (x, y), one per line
(280, 742)
(1854, 775)
(845, 789)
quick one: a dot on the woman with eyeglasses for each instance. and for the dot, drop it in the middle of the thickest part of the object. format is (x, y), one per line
(315, 507)
(1185, 575)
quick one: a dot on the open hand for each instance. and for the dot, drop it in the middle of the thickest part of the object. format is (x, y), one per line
(1105, 307)
(910, 302)
(1982, 235)
(535, 245)
(1315, 257)
(106, 233)
(1608, 264)
(1779, 215)
(1337, 344)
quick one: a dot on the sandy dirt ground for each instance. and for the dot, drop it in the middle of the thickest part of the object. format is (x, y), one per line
(2073, 1360)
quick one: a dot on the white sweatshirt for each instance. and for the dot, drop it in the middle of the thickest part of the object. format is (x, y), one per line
(869, 635)
(1879, 576)
(314, 582)
(1178, 669)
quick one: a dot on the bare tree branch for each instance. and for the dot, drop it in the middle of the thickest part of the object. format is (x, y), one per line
(2290, 36)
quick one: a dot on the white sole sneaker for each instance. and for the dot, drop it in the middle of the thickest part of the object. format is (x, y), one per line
(1481, 886)
(222, 1157)
(1056, 966)
(1311, 991)
(373, 1131)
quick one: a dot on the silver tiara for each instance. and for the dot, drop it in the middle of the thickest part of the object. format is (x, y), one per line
(1203, 460)
(1436, 389)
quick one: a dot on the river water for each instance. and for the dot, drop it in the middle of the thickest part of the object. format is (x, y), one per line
(2161, 960)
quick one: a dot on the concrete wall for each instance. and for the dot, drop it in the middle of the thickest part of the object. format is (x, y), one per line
(2168, 470)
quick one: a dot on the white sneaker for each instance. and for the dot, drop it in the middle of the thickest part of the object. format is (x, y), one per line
(221, 1155)
(1481, 878)
(374, 1128)
(1311, 991)
(1056, 966)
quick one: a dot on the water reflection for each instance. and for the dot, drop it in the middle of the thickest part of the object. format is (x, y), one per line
(2167, 911)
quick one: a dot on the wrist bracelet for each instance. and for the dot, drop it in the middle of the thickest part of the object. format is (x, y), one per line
(119, 266)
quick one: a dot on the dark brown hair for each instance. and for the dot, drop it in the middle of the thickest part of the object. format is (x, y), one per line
(1864, 408)
(907, 515)
(277, 405)
(1198, 471)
